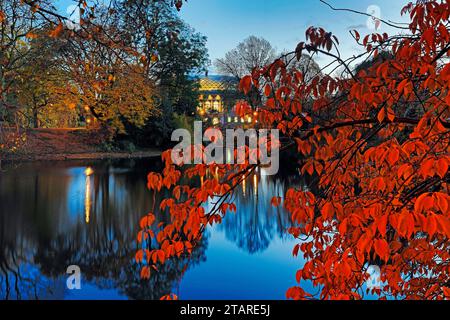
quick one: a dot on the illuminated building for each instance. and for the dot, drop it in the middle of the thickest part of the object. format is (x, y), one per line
(211, 96)
(218, 97)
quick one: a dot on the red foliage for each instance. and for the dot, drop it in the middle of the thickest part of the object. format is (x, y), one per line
(377, 142)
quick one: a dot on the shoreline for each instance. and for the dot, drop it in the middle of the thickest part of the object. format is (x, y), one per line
(82, 156)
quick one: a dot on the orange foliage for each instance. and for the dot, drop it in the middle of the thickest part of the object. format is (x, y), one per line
(377, 143)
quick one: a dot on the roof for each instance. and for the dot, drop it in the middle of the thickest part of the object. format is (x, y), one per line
(208, 84)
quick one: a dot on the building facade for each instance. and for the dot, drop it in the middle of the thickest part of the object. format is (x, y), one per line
(217, 101)
(211, 98)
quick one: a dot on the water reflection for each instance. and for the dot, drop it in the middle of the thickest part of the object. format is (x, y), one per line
(53, 215)
(87, 201)
(257, 222)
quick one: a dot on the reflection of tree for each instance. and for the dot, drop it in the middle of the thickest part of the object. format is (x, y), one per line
(37, 232)
(109, 262)
(43, 228)
(18, 279)
(256, 222)
(27, 200)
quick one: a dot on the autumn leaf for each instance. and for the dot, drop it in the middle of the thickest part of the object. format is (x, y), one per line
(428, 36)
(444, 225)
(267, 90)
(298, 276)
(147, 221)
(446, 291)
(443, 202)
(382, 225)
(442, 167)
(171, 296)
(31, 35)
(56, 32)
(246, 84)
(377, 139)
(382, 249)
(381, 115)
(296, 250)
(394, 156)
(328, 210)
(145, 272)
(390, 115)
(276, 201)
(139, 256)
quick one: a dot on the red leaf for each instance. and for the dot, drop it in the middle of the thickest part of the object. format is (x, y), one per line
(328, 210)
(276, 201)
(246, 84)
(145, 272)
(267, 90)
(295, 251)
(382, 249)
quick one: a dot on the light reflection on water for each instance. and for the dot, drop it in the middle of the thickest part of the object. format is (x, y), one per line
(53, 215)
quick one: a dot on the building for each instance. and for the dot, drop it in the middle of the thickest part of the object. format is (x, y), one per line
(218, 96)
(211, 98)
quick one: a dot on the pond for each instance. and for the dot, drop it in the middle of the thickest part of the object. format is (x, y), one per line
(57, 214)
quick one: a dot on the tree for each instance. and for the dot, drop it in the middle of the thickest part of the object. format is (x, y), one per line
(17, 25)
(172, 53)
(181, 58)
(109, 82)
(40, 85)
(171, 50)
(250, 54)
(306, 65)
(255, 53)
(142, 45)
(383, 200)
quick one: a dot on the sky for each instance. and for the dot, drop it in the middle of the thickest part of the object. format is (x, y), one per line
(283, 22)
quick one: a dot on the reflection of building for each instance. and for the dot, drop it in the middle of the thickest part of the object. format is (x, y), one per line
(218, 96)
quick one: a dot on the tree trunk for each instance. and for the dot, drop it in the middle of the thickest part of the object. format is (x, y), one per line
(35, 118)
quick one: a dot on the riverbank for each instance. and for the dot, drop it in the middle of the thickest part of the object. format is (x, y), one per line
(84, 156)
(69, 144)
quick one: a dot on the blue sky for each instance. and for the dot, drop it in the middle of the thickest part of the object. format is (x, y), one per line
(282, 22)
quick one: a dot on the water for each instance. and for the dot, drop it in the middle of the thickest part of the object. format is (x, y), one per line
(57, 214)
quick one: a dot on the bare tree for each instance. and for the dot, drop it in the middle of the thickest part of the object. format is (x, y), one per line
(252, 53)
(306, 65)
